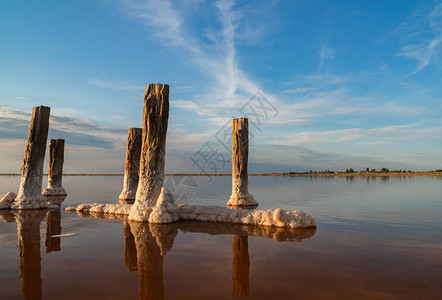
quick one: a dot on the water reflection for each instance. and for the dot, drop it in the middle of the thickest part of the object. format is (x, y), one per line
(28, 231)
(130, 250)
(53, 227)
(240, 266)
(145, 245)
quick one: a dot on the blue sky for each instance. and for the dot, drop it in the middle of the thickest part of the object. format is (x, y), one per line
(352, 83)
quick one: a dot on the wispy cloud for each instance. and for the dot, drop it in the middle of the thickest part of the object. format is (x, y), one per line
(325, 53)
(298, 90)
(380, 135)
(215, 55)
(15, 123)
(426, 26)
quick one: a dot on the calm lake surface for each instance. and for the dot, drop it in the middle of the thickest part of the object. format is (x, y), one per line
(377, 238)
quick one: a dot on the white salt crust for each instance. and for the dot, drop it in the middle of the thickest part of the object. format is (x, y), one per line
(6, 200)
(20, 202)
(166, 211)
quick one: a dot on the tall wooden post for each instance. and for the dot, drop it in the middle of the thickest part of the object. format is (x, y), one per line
(240, 155)
(29, 194)
(133, 151)
(55, 172)
(153, 150)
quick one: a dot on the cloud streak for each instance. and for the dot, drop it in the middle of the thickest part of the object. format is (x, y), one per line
(422, 24)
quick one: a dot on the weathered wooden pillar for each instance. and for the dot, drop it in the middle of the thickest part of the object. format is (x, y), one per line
(240, 155)
(133, 151)
(55, 172)
(53, 227)
(29, 194)
(153, 151)
(240, 266)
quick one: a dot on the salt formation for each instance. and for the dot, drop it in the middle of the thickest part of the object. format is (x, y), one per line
(165, 213)
(29, 194)
(55, 172)
(7, 199)
(166, 210)
(240, 155)
(116, 209)
(153, 150)
(277, 217)
(132, 165)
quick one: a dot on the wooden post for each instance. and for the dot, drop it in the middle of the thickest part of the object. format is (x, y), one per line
(153, 151)
(133, 151)
(55, 172)
(29, 194)
(240, 155)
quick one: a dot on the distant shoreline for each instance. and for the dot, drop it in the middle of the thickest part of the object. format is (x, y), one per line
(313, 174)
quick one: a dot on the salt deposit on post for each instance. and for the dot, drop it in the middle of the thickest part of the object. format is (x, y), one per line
(153, 151)
(55, 172)
(29, 194)
(133, 151)
(240, 155)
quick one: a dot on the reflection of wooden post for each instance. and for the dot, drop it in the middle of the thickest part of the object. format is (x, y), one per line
(153, 150)
(240, 155)
(29, 194)
(150, 262)
(55, 172)
(28, 231)
(134, 137)
(240, 266)
(53, 227)
(130, 250)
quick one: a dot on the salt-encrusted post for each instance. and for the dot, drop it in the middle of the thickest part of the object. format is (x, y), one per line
(133, 151)
(240, 154)
(55, 172)
(240, 266)
(153, 151)
(29, 194)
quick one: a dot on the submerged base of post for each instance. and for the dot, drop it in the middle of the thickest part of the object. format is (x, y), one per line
(54, 191)
(242, 201)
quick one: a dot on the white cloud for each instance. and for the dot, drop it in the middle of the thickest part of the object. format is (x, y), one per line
(298, 90)
(325, 53)
(422, 24)
(381, 135)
